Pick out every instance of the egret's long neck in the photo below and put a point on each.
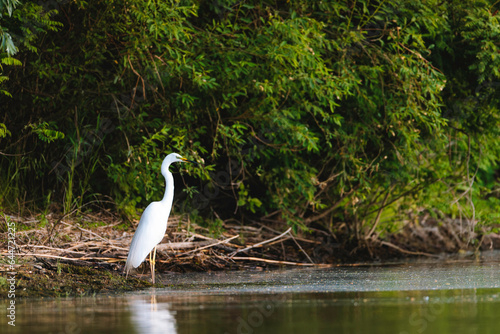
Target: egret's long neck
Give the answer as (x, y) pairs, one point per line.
(169, 188)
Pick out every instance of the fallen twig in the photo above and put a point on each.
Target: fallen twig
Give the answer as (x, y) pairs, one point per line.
(251, 258)
(303, 251)
(183, 245)
(51, 248)
(407, 251)
(259, 244)
(85, 230)
(93, 244)
(49, 256)
(83, 258)
(208, 246)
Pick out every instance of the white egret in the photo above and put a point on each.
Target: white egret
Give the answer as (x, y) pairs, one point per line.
(153, 223)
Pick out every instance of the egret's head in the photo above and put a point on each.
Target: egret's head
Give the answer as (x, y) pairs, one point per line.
(172, 157)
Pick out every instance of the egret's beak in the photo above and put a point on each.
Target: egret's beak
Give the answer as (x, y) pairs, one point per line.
(191, 161)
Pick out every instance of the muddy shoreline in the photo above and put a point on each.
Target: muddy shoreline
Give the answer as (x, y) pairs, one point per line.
(60, 257)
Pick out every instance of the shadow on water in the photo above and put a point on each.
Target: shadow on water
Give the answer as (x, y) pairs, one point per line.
(411, 298)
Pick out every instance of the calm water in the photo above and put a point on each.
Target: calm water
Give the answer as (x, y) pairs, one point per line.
(460, 297)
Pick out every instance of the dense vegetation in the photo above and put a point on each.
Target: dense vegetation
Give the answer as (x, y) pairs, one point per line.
(358, 116)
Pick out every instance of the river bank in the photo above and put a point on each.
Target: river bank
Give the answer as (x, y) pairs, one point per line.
(460, 296)
(75, 256)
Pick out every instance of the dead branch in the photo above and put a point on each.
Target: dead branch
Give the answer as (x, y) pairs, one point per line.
(182, 245)
(260, 243)
(252, 258)
(385, 243)
(211, 245)
(303, 251)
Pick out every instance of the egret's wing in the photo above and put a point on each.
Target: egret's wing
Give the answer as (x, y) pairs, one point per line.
(149, 233)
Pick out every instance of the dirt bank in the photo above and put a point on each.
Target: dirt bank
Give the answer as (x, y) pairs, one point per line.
(57, 255)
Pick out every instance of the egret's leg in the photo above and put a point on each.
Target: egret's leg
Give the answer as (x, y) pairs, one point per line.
(152, 263)
(151, 267)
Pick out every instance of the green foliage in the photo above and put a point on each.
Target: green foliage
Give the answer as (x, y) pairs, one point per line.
(3, 131)
(309, 111)
(10, 61)
(9, 6)
(247, 202)
(25, 23)
(6, 42)
(45, 133)
(33, 20)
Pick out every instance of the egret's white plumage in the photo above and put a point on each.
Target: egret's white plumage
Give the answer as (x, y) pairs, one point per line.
(153, 223)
